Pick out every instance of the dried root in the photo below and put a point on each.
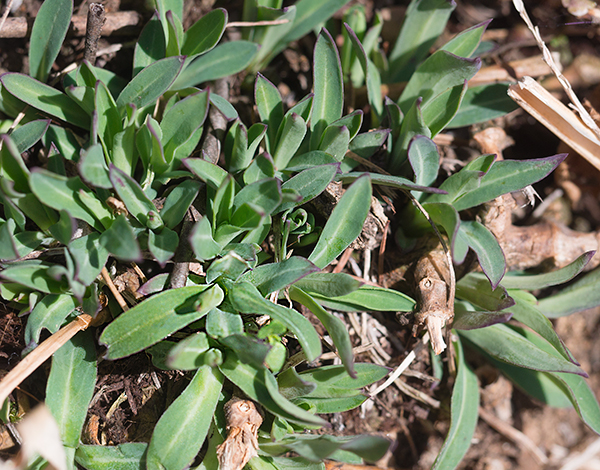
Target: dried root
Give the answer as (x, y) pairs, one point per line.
(436, 301)
(243, 421)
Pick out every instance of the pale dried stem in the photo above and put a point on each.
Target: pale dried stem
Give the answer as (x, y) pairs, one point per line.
(250, 24)
(40, 354)
(514, 435)
(117, 295)
(585, 116)
(5, 15)
(243, 420)
(120, 23)
(402, 367)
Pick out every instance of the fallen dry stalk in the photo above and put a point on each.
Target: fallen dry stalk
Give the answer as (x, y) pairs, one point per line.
(557, 117)
(243, 420)
(121, 23)
(39, 355)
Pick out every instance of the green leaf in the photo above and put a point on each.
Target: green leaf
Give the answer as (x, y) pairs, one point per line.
(205, 33)
(292, 133)
(45, 98)
(369, 298)
(71, 385)
(134, 198)
(439, 72)
(120, 240)
(90, 257)
(265, 194)
(149, 85)
(334, 381)
(181, 121)
(335, 141)
(335, 327)
(182, 429)
(506, 345)
(309, 184)
(150, 47)
(413, 124)
(26, 136)
(441, 109)
(344, 224)
(309, 15)
(328, 284)
(47, 35)
(93, 168)
(328, 100)
(479, 292)
(465, 43)
(270, 109)
(49, 313)
(483, 103)
(62, 193)
(271, 277)
(507, 176)
(425, 20)
(247, 299)
(226, 59)
(128, 456)
(464, 413)
(486, 247)
(13, 166)
(202, 242)
(108, 118)
(530, 316)
(424, 159)
(469, 319)
(261, 386)
(193, 352)
(163, 244)
(269, 37)
(178, 202)
(157, 317)
(174, 34)
(221, 324)
(213, 175)
(581, 295)
(392, 181)
(514, 280)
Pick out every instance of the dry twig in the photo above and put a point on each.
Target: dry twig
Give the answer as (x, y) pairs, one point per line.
(243, 421)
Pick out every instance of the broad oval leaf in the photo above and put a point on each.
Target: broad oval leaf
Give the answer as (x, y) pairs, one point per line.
(128, 456)
(149, 85)
(369, 298)
(182, 429)
(49, 313)
(159, 316)
(71, 385)
(205, 33)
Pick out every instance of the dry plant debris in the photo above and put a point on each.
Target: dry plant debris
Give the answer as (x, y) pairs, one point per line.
(243, 420)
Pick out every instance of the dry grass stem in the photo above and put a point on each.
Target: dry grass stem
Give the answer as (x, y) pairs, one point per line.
(40, 354)
(557, 117)
(118, 297)
(577, 461)
(514, 435)
(408, 360)
(416, 394)
(583, 113)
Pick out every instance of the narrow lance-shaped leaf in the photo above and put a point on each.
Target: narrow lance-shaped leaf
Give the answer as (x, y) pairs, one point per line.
(71, 385)
(205, 33)
(47, 35)
(328, 87)
(344, 224)
(464, 413)
(270, 108)
(45, 98)
(335, 327)
(128, 456)
(486, 247)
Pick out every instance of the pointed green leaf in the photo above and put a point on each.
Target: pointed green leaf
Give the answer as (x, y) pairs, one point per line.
(128, 456)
